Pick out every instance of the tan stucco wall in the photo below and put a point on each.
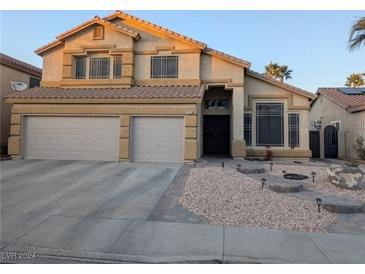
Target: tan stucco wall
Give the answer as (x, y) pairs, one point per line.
(6, 75)
(257, 90)
(327, 110)
(213, 68)
(125, 112)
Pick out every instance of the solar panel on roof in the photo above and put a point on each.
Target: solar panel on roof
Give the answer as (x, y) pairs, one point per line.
(353, 91)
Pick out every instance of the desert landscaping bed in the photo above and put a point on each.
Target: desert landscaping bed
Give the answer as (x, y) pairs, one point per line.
(321, 183)
(225, 196)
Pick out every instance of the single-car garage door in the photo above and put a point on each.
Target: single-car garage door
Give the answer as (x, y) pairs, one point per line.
(71, 138)
(158, 139)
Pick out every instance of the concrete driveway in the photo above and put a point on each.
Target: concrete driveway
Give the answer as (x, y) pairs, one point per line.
(66, 204)
(71, 211)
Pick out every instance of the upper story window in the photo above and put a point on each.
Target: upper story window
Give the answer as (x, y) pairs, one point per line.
(99, 68)
(80, 67)
(98, 33)
(164, 67)
(117, 67)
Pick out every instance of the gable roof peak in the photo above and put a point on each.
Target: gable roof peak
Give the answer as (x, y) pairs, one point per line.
(95, 20)
(203, 46)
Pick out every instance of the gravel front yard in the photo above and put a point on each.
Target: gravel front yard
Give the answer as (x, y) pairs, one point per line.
(225, 196)
(321, 184)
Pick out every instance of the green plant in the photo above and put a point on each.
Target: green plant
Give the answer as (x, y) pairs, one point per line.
(359, 147)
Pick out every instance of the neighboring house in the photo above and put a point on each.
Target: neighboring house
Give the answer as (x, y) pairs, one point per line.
(13, 70)
(121, 88)
(341, 112)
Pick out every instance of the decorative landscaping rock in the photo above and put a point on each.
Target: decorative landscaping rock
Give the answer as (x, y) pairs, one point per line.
(251, 170)
(346, 177)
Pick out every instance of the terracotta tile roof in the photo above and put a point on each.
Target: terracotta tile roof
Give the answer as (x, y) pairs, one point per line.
(352, 103)
(281, 84)
(95, 20)
(20, 65)
(179, 36)
(127, 16)
(136, 92)
(228, 56)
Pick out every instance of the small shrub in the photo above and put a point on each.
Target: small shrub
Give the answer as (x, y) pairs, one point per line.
(359, 147)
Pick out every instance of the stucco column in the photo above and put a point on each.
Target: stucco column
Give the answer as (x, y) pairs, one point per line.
(238, 148)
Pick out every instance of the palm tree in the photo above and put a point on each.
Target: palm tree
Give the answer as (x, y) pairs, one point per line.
(357, 34)
(284, 73)
(354, 80)
(272, 70)
(277, 72)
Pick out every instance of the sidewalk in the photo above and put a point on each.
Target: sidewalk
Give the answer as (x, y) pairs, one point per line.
(162, 242)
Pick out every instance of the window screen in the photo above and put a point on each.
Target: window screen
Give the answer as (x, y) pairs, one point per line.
(270, 124)
(99, 68)
(248, 128)
(293, 127)
(117, 67)
(164, 67)
(80, 67)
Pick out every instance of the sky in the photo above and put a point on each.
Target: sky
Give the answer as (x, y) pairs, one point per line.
(312, 43)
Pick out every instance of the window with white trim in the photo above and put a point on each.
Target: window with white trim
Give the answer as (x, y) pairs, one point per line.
(164, 66)
(270, 124)
(247, 128)
(293, 129)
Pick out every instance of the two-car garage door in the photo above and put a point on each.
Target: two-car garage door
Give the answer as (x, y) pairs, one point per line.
(153, 139)
(71, 138)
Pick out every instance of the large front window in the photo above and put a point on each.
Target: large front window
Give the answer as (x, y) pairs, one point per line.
(164, 67)
(270, 124)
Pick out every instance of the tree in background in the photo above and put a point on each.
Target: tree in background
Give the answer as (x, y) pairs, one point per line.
(277, 72)
(357, 34)
(354, 80)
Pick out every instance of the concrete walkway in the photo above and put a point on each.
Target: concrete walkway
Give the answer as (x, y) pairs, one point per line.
(161, 242)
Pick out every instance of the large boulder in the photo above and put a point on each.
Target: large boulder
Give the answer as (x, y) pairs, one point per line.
(348, 177)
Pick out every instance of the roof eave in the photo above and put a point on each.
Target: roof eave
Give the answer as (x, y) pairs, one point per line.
(101, 101)
(282, 85)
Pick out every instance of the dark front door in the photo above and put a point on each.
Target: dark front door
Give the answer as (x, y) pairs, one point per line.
(330, 142)
(216, 134)
(314, 143)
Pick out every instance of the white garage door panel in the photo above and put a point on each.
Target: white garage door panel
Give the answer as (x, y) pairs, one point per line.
(158, 139)
(71, 138)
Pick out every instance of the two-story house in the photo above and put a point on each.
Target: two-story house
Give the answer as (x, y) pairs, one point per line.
(121, 88)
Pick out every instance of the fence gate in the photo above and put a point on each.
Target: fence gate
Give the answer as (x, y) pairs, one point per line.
(330, 142)
(314, 143)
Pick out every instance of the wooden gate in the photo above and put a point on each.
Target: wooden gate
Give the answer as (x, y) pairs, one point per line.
(314, 143)
(330, 142)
